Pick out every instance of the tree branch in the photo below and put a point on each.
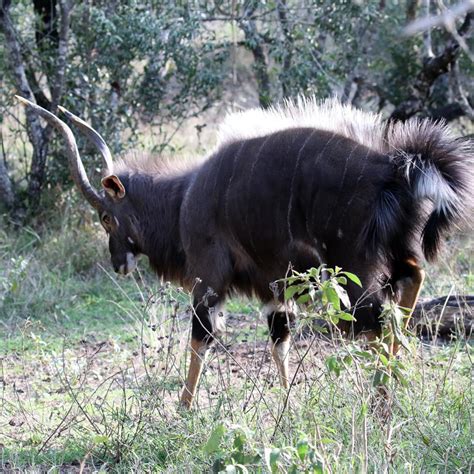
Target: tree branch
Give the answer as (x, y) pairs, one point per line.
(461, 96)
(447, 17)
(447, 113)
(432, 68)
(444, 316)
(411, 10)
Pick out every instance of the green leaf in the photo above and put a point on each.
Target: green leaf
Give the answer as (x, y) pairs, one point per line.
(314, 273)
(327, 440)
(342, 280)
(380, 378)
(354, 278)
(292, 290)
(426, 440)
(332, 297)
(395, 317)
(239, 441)
(343, 296)
(302, 448)
(362, 413)
(317, 468)
(364, 354)
(334, 318)
(214, 441)
(303, 299)
(385, 347)
(100, 439)
(400, 377)
(346, 316)
(333, 365)
(348, 359)
(272, 455)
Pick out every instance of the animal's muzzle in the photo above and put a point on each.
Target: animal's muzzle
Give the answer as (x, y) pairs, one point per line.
(127, 267)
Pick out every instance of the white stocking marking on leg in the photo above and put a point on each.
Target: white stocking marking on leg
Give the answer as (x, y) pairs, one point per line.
(277, 307)
(280, 353)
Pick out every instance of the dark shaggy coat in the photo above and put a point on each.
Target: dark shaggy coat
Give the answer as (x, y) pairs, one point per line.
(302, 185)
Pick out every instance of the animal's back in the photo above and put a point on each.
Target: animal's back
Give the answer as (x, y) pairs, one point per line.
(292, 185)
(298, 196)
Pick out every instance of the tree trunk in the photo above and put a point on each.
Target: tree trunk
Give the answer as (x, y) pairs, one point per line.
(6, 190)
(288, 48)
(411, 10)
(38, 136)
(37, 172)
(255, 44)
(34, 129)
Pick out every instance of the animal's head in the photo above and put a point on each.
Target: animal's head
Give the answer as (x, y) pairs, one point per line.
(117, 217)
(115, 209)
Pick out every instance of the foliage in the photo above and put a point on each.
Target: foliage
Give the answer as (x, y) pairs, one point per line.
(160, 63)
(233, 449)
(322, 288)
(126, 64)
(322, 291)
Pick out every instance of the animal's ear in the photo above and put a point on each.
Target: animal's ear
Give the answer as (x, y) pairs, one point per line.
(113, 186)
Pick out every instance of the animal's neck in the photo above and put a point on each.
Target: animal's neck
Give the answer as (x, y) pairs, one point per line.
(159, 224)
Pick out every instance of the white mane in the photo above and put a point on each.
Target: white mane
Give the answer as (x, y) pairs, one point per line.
(408, 139)
(330, 115)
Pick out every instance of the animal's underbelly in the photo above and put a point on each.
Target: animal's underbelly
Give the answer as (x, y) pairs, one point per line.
(256, 273)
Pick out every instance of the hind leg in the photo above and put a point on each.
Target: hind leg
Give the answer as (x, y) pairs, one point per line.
(409, 284)
(278, 323)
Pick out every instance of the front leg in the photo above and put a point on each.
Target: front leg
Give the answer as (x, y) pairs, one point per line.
(279, 319)
(204, 327)
(198, 357)
(209, 260)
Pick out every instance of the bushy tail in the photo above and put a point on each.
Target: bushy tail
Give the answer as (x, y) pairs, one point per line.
(430, 164)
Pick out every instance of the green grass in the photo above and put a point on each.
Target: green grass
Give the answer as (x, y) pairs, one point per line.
(91, 367)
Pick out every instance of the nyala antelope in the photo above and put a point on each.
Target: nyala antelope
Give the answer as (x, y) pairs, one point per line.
(302, 184)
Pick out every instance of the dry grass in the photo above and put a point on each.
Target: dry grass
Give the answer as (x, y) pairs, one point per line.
(91, 367)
